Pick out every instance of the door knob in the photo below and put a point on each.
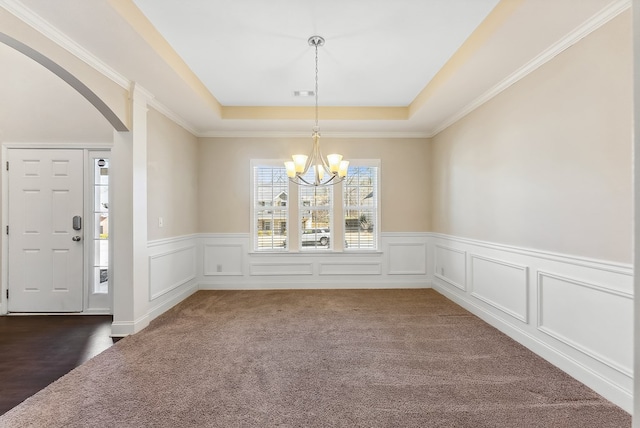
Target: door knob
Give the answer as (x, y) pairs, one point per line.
(75, 238)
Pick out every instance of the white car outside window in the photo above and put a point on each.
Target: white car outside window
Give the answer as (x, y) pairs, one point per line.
(311, 236)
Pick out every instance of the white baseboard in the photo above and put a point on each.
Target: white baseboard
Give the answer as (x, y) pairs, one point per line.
(176, 298)
(311, 285)
(125, 328)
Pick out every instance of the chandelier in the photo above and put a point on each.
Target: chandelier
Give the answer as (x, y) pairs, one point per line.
(325, 172)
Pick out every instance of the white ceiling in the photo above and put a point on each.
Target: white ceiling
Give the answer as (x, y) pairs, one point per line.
(255, 53)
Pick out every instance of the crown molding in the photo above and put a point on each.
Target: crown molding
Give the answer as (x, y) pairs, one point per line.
(136, 91)
(598, 20)
(38, 23)
(164, 110)
(307, 134)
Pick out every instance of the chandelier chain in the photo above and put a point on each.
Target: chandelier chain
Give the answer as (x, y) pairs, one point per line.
(316, 91)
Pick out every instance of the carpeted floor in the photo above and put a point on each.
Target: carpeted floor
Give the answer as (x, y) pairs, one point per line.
(318, 358)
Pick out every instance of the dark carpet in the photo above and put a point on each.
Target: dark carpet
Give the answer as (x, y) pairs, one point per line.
(317, 358)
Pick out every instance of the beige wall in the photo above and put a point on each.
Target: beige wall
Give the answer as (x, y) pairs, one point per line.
(224, 176)
(172, 175)
(547, 163)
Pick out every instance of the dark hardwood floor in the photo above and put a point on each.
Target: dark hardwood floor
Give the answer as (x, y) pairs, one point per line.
(37, 350)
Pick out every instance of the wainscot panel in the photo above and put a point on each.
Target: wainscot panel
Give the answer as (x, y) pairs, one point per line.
(173, 272)
(284, 269)
(502, 285)
(224, 259)
(451, 266)
(409, 258)
(579, 315)
(170, 270)
(601, 318)
(350, 268)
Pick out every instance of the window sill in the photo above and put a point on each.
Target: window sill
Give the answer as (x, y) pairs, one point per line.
(315, 253)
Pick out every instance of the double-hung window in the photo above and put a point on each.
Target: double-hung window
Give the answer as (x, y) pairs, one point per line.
(270, 206)
(361, 211)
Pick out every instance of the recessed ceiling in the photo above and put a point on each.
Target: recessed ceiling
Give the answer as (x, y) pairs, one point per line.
(255, 52)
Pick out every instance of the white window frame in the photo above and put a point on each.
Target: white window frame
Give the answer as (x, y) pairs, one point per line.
(364, 163)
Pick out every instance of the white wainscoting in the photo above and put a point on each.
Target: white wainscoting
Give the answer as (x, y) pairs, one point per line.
(229, 263)
(575, 312)
(173, 272)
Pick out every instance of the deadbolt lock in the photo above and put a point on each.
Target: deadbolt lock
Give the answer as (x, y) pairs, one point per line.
(75, 238)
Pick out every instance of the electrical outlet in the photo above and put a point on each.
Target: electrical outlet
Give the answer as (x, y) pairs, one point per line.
(219, 268)
(160, 222)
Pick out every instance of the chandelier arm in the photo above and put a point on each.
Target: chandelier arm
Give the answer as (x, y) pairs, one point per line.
(325, 165)
(298, 180)
(303, 182)
(317, 153)
(307, 164)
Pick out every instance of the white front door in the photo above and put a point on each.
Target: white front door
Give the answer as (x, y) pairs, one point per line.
(45, 251)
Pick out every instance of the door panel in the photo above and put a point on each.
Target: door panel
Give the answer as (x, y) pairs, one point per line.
(45, 263)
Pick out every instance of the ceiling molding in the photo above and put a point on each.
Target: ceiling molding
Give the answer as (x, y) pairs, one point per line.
(308, 113)
(138, 92)
(106, 145)
(29, 17)
(591, 25)
(307, 134)
(164, 110)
